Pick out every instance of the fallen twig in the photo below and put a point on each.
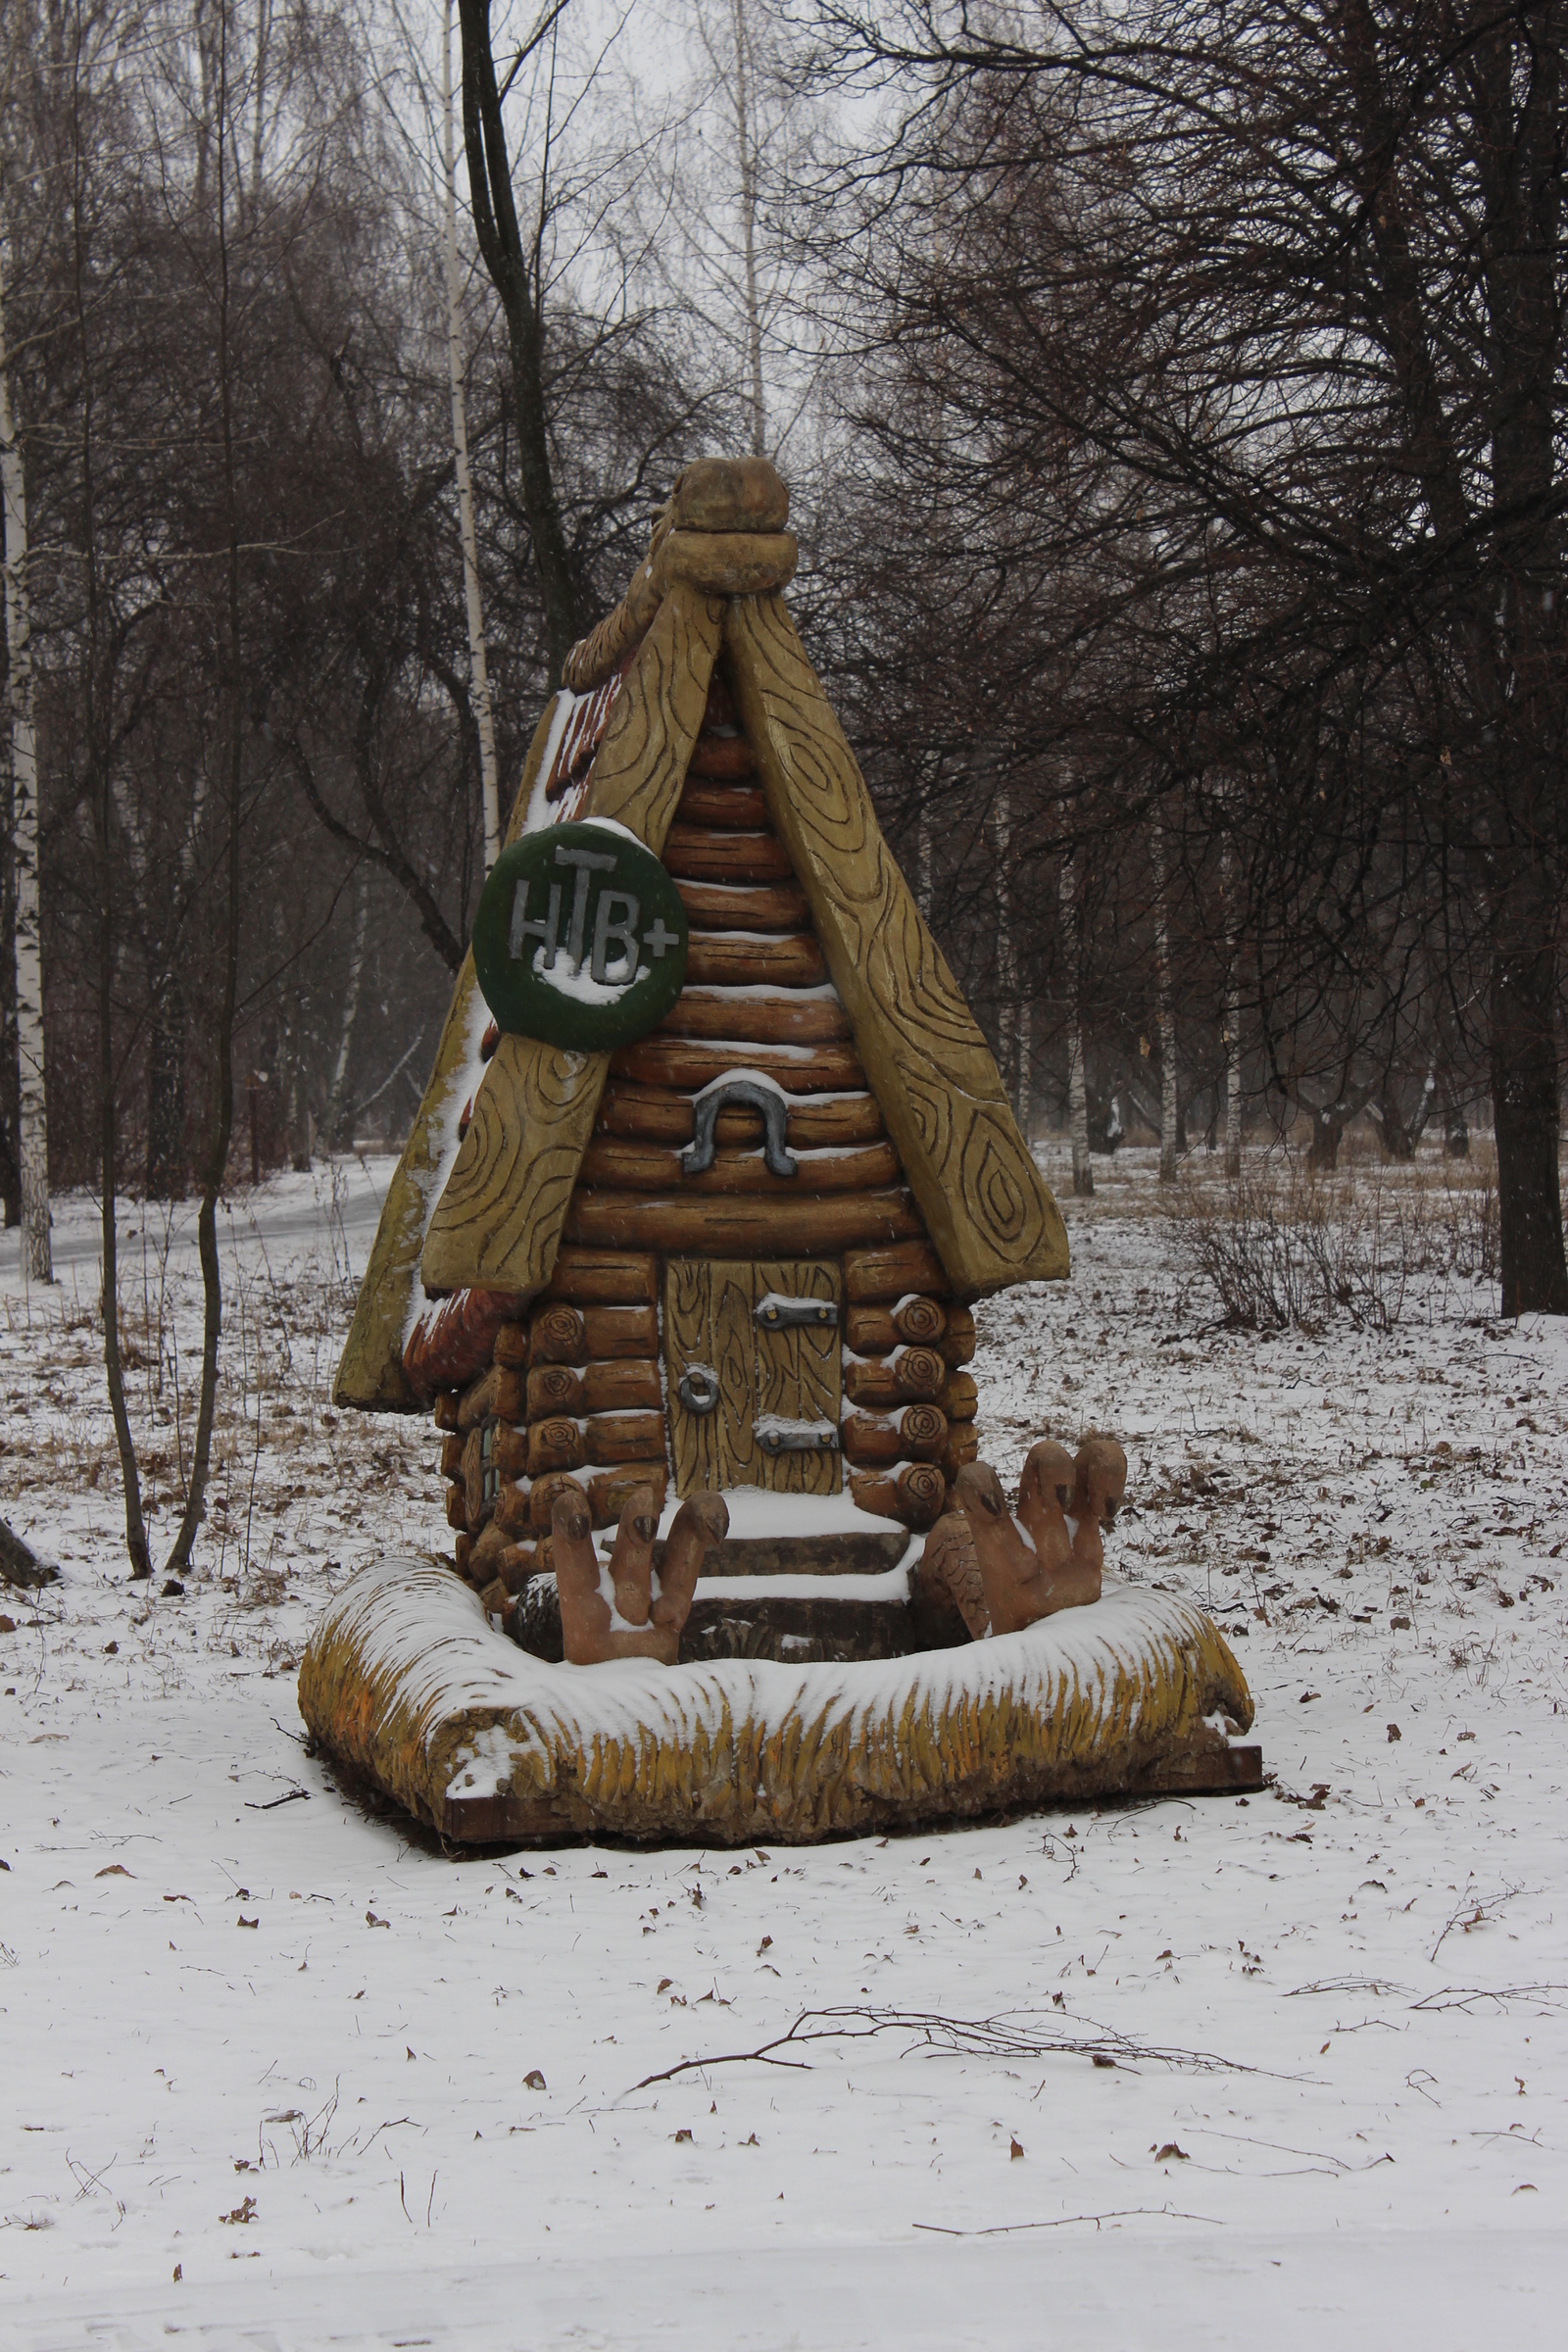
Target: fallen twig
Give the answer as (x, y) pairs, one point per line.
(1070, 2221)
(1474, 1912)
(1460, 1996)
(986, 2037)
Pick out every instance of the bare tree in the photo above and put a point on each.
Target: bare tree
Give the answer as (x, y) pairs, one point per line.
(479, 686)
(25, 945)
(1342, 441)
(518, 273)
(1164, 1003)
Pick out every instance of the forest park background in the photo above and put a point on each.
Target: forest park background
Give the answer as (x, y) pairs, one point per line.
(1171, 401)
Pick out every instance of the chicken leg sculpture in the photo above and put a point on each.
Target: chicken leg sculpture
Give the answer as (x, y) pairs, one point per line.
(999, 1573)
(625, 1609)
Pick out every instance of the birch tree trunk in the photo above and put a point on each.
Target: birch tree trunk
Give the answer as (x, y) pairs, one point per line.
(479, 669)
(1233, 1014)
(746, 141)
(32, 1126)
(333, 1115)
(1165, 1006)
(1083, 1174)
(1007, 959)
(263, 28)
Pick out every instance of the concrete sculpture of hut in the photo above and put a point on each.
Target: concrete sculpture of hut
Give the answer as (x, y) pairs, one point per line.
(712, 1167)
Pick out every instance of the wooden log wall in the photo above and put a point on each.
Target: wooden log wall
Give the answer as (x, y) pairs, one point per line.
(574, 1391)
(572, 1398)
(908, 1408)
(758, 999)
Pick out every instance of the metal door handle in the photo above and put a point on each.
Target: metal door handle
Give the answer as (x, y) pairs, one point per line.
(698, 1387)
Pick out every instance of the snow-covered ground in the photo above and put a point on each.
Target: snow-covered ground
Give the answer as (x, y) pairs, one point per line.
(411, 2105)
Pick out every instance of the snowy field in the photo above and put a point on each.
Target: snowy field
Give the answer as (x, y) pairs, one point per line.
(1212, 2072)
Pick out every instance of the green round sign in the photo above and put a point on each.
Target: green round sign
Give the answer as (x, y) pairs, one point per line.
(580, 937)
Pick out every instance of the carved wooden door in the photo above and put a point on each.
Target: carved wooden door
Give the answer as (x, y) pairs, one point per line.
(754, 1371)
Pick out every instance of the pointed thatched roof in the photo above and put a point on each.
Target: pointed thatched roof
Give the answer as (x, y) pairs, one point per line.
(489, 1208)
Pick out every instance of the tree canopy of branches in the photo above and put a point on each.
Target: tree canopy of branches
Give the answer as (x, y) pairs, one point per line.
(1236, 344)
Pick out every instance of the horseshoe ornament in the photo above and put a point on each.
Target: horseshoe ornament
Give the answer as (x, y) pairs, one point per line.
(698, 1153)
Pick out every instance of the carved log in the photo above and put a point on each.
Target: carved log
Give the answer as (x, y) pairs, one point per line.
(718, 962)
(512, 1513)
(962, 1445)
(451, 1456)
(600, 1278)
(474, 1470)
(711, 1225)
(917, 1435)
(921, 1495)
(729, 494)
(871, 1276)
(542, 1497)
(614, 1438)
(983, 1199)
(444, 1409)
(643, 1168)
(609, 1490)
(554, 1389)
(959, 1398)
(730, 563)
(554, 1444)
(457, 1508)
(558, 1335)
(726, 808)
(725, 759)
(684, 1064)
(511, 1454)
(486, 1557)
(614, 1388)
(913, 1493)
(561, 1334)
(454, 1339)
(512, 1345)
(500, 1394)
(878, 1330)
(693, 854)
(461, 1545)
(717, 906)
(615, 1331)
(787, 1020)
(649, 1116)
(957, 1341)
(517, 1566)
(912, 1375)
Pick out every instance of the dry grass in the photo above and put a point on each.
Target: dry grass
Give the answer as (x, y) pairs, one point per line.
(1285, 1248)
(282, 1458)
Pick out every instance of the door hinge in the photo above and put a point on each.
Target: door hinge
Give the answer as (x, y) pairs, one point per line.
(775, 1434)
(776, 1312)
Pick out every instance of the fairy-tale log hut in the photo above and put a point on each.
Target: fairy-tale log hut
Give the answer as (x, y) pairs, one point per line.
(739, 1249)
(706, 1179)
